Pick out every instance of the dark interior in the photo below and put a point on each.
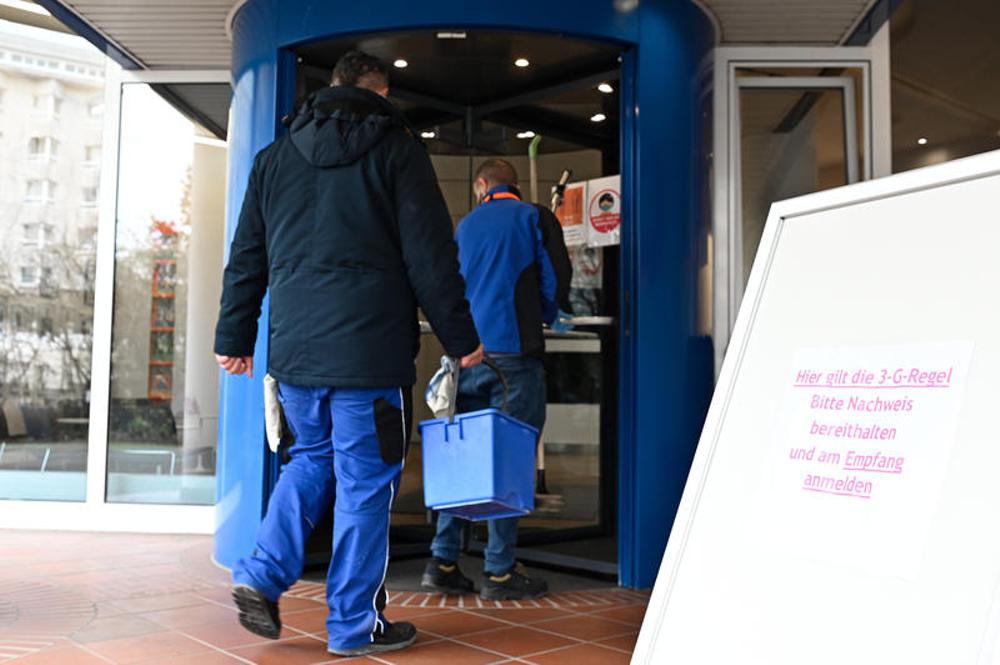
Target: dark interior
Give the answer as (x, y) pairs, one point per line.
(468, 92)
(463, 92)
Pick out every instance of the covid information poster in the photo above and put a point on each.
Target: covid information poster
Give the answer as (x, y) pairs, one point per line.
(570, 215)
(862, 445)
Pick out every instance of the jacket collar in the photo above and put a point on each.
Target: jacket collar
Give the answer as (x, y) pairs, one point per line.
(502, 192)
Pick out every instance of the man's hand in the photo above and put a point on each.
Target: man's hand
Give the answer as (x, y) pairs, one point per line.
(238, 365)
(473, 358)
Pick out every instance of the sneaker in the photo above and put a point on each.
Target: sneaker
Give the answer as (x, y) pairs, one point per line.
(257, 614)
(392, 637)
(512, 585)
(445, 576)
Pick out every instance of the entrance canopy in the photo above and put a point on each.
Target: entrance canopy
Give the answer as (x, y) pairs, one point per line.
(196, 35)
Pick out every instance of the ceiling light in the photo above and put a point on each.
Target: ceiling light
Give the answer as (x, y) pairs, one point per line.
(922, 141)
(606, 88)
(526, 135)
(522, 62)
(400, 64)
(451, 35)
(598, 117)
(428, 135)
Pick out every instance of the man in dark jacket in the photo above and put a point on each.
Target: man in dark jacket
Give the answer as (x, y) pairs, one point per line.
(344, 222)
(517, 271)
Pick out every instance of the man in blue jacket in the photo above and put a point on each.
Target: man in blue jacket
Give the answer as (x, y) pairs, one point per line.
(517, 272)
(344, 222)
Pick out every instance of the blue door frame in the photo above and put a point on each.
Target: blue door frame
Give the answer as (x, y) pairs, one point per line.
(665, 368)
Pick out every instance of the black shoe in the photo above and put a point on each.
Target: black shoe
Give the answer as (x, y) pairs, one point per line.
(393, 637)
(257, 614)
(512, 585)
(444, 576)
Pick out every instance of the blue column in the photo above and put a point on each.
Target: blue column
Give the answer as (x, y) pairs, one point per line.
(663, 372)
(666, 370)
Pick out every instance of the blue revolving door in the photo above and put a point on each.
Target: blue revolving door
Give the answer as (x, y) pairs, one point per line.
(645, 384)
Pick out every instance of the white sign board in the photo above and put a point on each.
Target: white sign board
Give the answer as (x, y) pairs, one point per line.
(843, 505)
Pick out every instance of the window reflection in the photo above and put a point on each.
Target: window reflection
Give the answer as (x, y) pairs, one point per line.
(164, 383)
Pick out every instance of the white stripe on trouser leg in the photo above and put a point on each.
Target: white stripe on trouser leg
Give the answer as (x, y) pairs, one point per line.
(392, 497)
(385, 570)
(402, 413)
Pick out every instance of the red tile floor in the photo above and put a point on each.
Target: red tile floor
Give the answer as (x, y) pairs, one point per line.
(68, 598)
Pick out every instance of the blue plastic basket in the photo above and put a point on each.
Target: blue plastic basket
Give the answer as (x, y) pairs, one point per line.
(480, 466)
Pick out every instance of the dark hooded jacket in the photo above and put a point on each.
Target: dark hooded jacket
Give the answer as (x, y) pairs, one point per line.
(344, 221)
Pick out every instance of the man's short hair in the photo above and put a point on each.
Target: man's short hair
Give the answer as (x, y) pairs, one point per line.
(497, 171)
(360, 70)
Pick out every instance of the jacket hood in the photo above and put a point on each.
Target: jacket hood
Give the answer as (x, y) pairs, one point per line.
(339, 125)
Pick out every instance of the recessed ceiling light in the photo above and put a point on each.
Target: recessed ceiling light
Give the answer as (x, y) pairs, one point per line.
(521, 62)
(526, 135)
(598, 117)
(606, 88)
(400, 64)
(922, 141)
(428, 135)
(451, 35)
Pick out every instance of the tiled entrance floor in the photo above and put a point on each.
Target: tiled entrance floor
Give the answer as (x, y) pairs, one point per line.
(68, 598)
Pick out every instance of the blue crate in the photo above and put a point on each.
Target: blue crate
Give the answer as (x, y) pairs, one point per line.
(479, 467)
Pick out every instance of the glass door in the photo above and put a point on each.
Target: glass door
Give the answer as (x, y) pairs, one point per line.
(168, 264)
(788, 121)
(109, 398)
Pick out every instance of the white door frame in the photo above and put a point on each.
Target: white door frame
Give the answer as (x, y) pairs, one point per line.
(872, 60)
(94, 513)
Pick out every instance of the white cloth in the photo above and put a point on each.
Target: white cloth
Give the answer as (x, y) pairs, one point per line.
(272, 413)
(442, 391)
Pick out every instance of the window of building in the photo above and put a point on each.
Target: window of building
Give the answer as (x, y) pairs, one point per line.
(45, 326)
(40, 191)
(48, 104)
(28, 276)
(90, 196)
(95, 109)
(87, 237)
(92, 154)
(29, 234)
(42, 148)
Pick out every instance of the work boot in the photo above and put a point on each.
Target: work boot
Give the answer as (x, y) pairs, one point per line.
(392, 637)
(512, 585)
(257, 614)
(445, 576)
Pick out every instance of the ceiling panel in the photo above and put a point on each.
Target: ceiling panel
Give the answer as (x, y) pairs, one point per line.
(181, 34)
(192, 33)
(825, 22)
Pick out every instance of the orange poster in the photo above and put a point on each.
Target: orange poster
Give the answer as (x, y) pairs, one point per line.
(570, 214)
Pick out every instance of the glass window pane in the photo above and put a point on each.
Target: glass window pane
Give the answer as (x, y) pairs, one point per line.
(168, 265)
(46, 276)
(791, 143)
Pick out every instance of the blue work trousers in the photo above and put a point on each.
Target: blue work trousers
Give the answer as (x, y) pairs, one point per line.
(349, 444)
(479, 388)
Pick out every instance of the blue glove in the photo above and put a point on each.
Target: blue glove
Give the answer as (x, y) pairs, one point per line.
(562, 322)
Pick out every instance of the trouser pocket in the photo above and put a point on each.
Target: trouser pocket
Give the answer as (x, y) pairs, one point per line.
(392, 426)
